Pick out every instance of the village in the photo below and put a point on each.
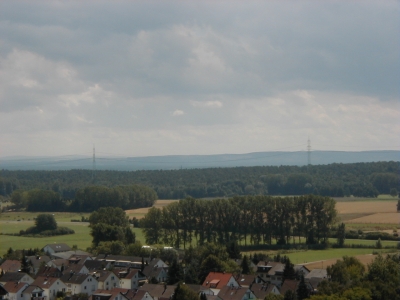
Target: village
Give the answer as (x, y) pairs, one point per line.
(71, 274)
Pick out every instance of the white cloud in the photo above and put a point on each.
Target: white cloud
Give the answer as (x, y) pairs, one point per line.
(207, 104)
(178, 112)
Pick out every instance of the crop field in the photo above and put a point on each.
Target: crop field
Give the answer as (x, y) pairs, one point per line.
(369, 212)
(140, 212)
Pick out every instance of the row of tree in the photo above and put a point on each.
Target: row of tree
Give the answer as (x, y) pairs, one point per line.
(252, 219)
(334, 180)
(86, 200)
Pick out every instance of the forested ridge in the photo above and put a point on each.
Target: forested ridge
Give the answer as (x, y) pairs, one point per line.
(334, 180)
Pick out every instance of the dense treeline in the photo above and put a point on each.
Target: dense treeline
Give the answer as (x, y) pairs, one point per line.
(87, 199)
(334, 180)
(254, 219)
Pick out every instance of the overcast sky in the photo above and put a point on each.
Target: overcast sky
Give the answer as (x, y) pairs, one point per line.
(144, 78)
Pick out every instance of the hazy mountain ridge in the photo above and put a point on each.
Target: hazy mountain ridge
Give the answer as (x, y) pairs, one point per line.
(299, 158)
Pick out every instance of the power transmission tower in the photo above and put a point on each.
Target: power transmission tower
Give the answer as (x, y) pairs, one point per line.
(94, 165)
(308, 153)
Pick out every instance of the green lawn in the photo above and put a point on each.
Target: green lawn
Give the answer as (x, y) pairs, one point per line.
(317, 255)
(81, 238)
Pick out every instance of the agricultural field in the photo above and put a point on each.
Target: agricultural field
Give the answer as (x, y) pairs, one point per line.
(357, 213)
(369, 215)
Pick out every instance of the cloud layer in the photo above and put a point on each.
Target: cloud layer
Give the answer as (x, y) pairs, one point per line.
(149, 78)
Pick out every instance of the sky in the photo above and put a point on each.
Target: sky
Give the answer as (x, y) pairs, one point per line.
(146, 78)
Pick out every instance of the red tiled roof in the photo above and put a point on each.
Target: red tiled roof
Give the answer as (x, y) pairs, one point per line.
(218, 279)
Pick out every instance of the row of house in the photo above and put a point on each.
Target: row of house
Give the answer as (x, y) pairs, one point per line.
(114, 277)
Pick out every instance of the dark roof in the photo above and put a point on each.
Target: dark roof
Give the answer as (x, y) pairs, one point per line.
(160, 291)
(12, 276)
(260, 290)
(58, 247)
(232, 293)
(149, 271)
(37, 260)
(49, 272)
(94, 265)
(74, 278)
(245, 280)
(289, 284)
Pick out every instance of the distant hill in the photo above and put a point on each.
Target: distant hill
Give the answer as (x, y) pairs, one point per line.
(172, 162)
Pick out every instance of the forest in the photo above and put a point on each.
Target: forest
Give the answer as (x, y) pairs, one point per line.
(253, 219)
(86, 199)
(333, 180)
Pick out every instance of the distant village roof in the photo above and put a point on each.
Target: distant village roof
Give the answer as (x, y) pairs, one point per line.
(159, 291)
(317, 273)
(13, 276)
(49, 272)
(260, 290)
(74, 278)
(232, 293)
(289, 284)
(14, 287)
(67, 254)
(11, 266)
(58, 247)
(45, 282)
(217, 280)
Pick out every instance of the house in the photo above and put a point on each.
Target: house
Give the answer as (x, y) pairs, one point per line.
(270, 271)
(235, 293)
(15, 289)
(107, 280)
(261, 290)
(314, 278)
(51, 286)
(68, 254)
(159, 291)
(10, 265)
(289, 284)
(301, 270)
(94, 265)
(78, 259)
(37, 261)
(76, 268)
(160, 274)
(79, 283)
(46, 271)
(141, 295)
(114, 294)
(215, 281)
(59, 263)
(33, 292)
(121, 261)
(16, 277)
(245, 280)
(56, 248)
(129, 279)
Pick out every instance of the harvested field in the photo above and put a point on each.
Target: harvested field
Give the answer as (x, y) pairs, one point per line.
(378, 212)
(140, 212)
(392, 218)
(366, 207)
